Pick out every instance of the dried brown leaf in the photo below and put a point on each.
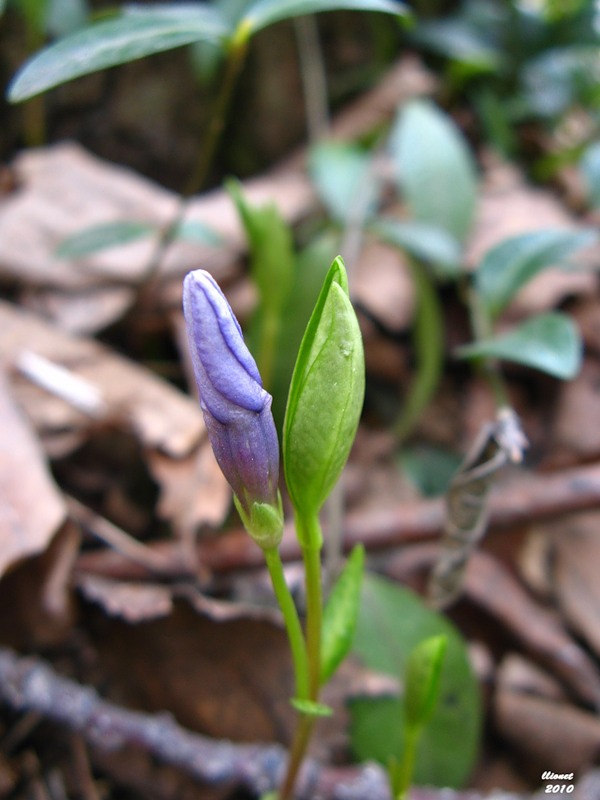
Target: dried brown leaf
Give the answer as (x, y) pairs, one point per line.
(133, 602)
(547, 734)
(32, 508)
(576, 543)
(576, 430)
(493, 588)
(228, 679)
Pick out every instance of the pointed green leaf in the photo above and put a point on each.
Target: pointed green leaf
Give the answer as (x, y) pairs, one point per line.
(325, 398)
(266, 12)
(422, 680)
(115, 41)
(425, 242)
(341, 613)
(392, 621)
(272, 269)
(102, 237)
(507, 267)
(548, 342)
(434, 168)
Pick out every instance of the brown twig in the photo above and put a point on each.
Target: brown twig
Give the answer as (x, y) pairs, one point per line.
(28, 684)
(31, 685)
(530, 497)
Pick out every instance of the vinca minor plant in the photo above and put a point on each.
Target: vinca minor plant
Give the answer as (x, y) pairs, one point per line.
(323, 409)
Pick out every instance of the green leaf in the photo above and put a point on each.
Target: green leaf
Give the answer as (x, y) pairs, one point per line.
(434, 168)
(325, 398)
(461, 41)
(102, 237)
(341, 613)
(272, 268)
(310, 708)
(507, 267)
(590, 169)
(548, 342)
(429, 468)
(341, 174)
(115, 41)
(66, 16)
(422, 680)
(35, 13)
(392, 622)
(425, 242)
(193, 230)
(266, 12)
(310, 268)
(428, 336)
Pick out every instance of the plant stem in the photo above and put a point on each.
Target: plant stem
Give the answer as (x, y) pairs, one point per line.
(482, 329)
(309, 534)
(314, 614)
(238, 47)
(292, 622)
(402, 773)
(298, 749)
(428, 338)
(236, 55)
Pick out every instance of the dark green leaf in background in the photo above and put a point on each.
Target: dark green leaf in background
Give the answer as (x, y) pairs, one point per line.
(590, 168)
(392, 622)
(192, 230)
(266, 12)
(508, 266)
(342, 176)
(434, 168)
(115, 41)
(102, 237)
(548, 342)
(272, 268)
(425, 242)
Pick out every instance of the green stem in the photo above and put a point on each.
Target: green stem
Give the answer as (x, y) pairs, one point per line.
(238, 48)
(297, 752)
(482, 329)
(403, 772)
(428, 338)
(310, 537)
(236, 55)
(314, 616)
(292, 622)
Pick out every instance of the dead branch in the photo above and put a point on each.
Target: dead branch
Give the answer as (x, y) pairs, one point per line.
(530, 497)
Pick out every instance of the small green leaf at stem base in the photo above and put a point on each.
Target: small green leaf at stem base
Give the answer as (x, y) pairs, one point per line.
(311, 709)
(264, 523)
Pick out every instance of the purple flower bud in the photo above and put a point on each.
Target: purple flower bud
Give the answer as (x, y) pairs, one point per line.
(236, 408)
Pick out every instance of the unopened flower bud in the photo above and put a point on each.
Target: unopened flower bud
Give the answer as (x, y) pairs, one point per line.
(236, 408)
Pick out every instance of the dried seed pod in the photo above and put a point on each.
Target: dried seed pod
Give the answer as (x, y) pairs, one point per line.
(497, 444)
